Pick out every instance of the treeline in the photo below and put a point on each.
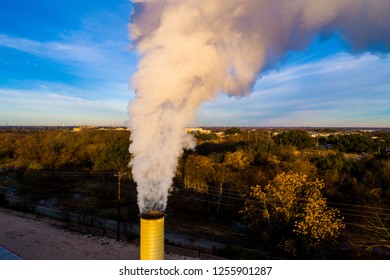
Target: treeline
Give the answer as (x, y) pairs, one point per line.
(89, 150)
(354, 175)
(220, 176)
(72, 171)
(351, 169)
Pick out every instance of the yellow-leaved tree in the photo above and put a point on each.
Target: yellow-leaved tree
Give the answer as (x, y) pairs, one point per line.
(197, 173)
(293, 214)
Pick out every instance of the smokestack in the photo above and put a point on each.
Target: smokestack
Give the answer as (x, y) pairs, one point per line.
(152, 236)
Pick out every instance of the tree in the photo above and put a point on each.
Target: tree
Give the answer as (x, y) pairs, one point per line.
(7, 145)
(373, 233)
(356, 143)
(197, 172)
(115, 156)
(297, 138)
(221, 176)
(203, 137)
(225, 172)
(35, 175)
(232, 131)
(28, 149)
(237, 160)
(35, 187)
(333, 168)
(293, 213)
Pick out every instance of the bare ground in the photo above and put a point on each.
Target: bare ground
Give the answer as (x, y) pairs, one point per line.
(37, 240)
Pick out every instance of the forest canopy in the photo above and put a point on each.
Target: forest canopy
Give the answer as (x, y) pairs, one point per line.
(223, 175)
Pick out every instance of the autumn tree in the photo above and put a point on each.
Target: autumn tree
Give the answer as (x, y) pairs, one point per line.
(197, 173)
(7, 146)
(293, 214)
(237, 160)
(28, 149)
(225, 172)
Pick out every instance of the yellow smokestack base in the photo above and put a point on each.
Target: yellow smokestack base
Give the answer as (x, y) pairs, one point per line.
(152, 236)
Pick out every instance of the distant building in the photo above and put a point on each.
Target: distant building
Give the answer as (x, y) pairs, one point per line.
(100, 128)
(197, 129)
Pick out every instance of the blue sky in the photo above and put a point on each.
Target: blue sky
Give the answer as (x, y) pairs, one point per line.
(70, 62)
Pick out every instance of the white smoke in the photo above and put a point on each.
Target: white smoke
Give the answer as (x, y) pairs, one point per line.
(191, 50)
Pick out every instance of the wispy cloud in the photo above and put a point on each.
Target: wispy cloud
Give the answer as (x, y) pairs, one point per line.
(342, 90)
(61, 51)
(103, 60)
(24, 107)
(77, 71)
(102, 68)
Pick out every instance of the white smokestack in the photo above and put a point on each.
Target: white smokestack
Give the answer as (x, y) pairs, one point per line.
(191, 50)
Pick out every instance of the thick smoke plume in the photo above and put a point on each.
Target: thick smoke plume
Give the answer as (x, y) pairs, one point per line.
(191, 50)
